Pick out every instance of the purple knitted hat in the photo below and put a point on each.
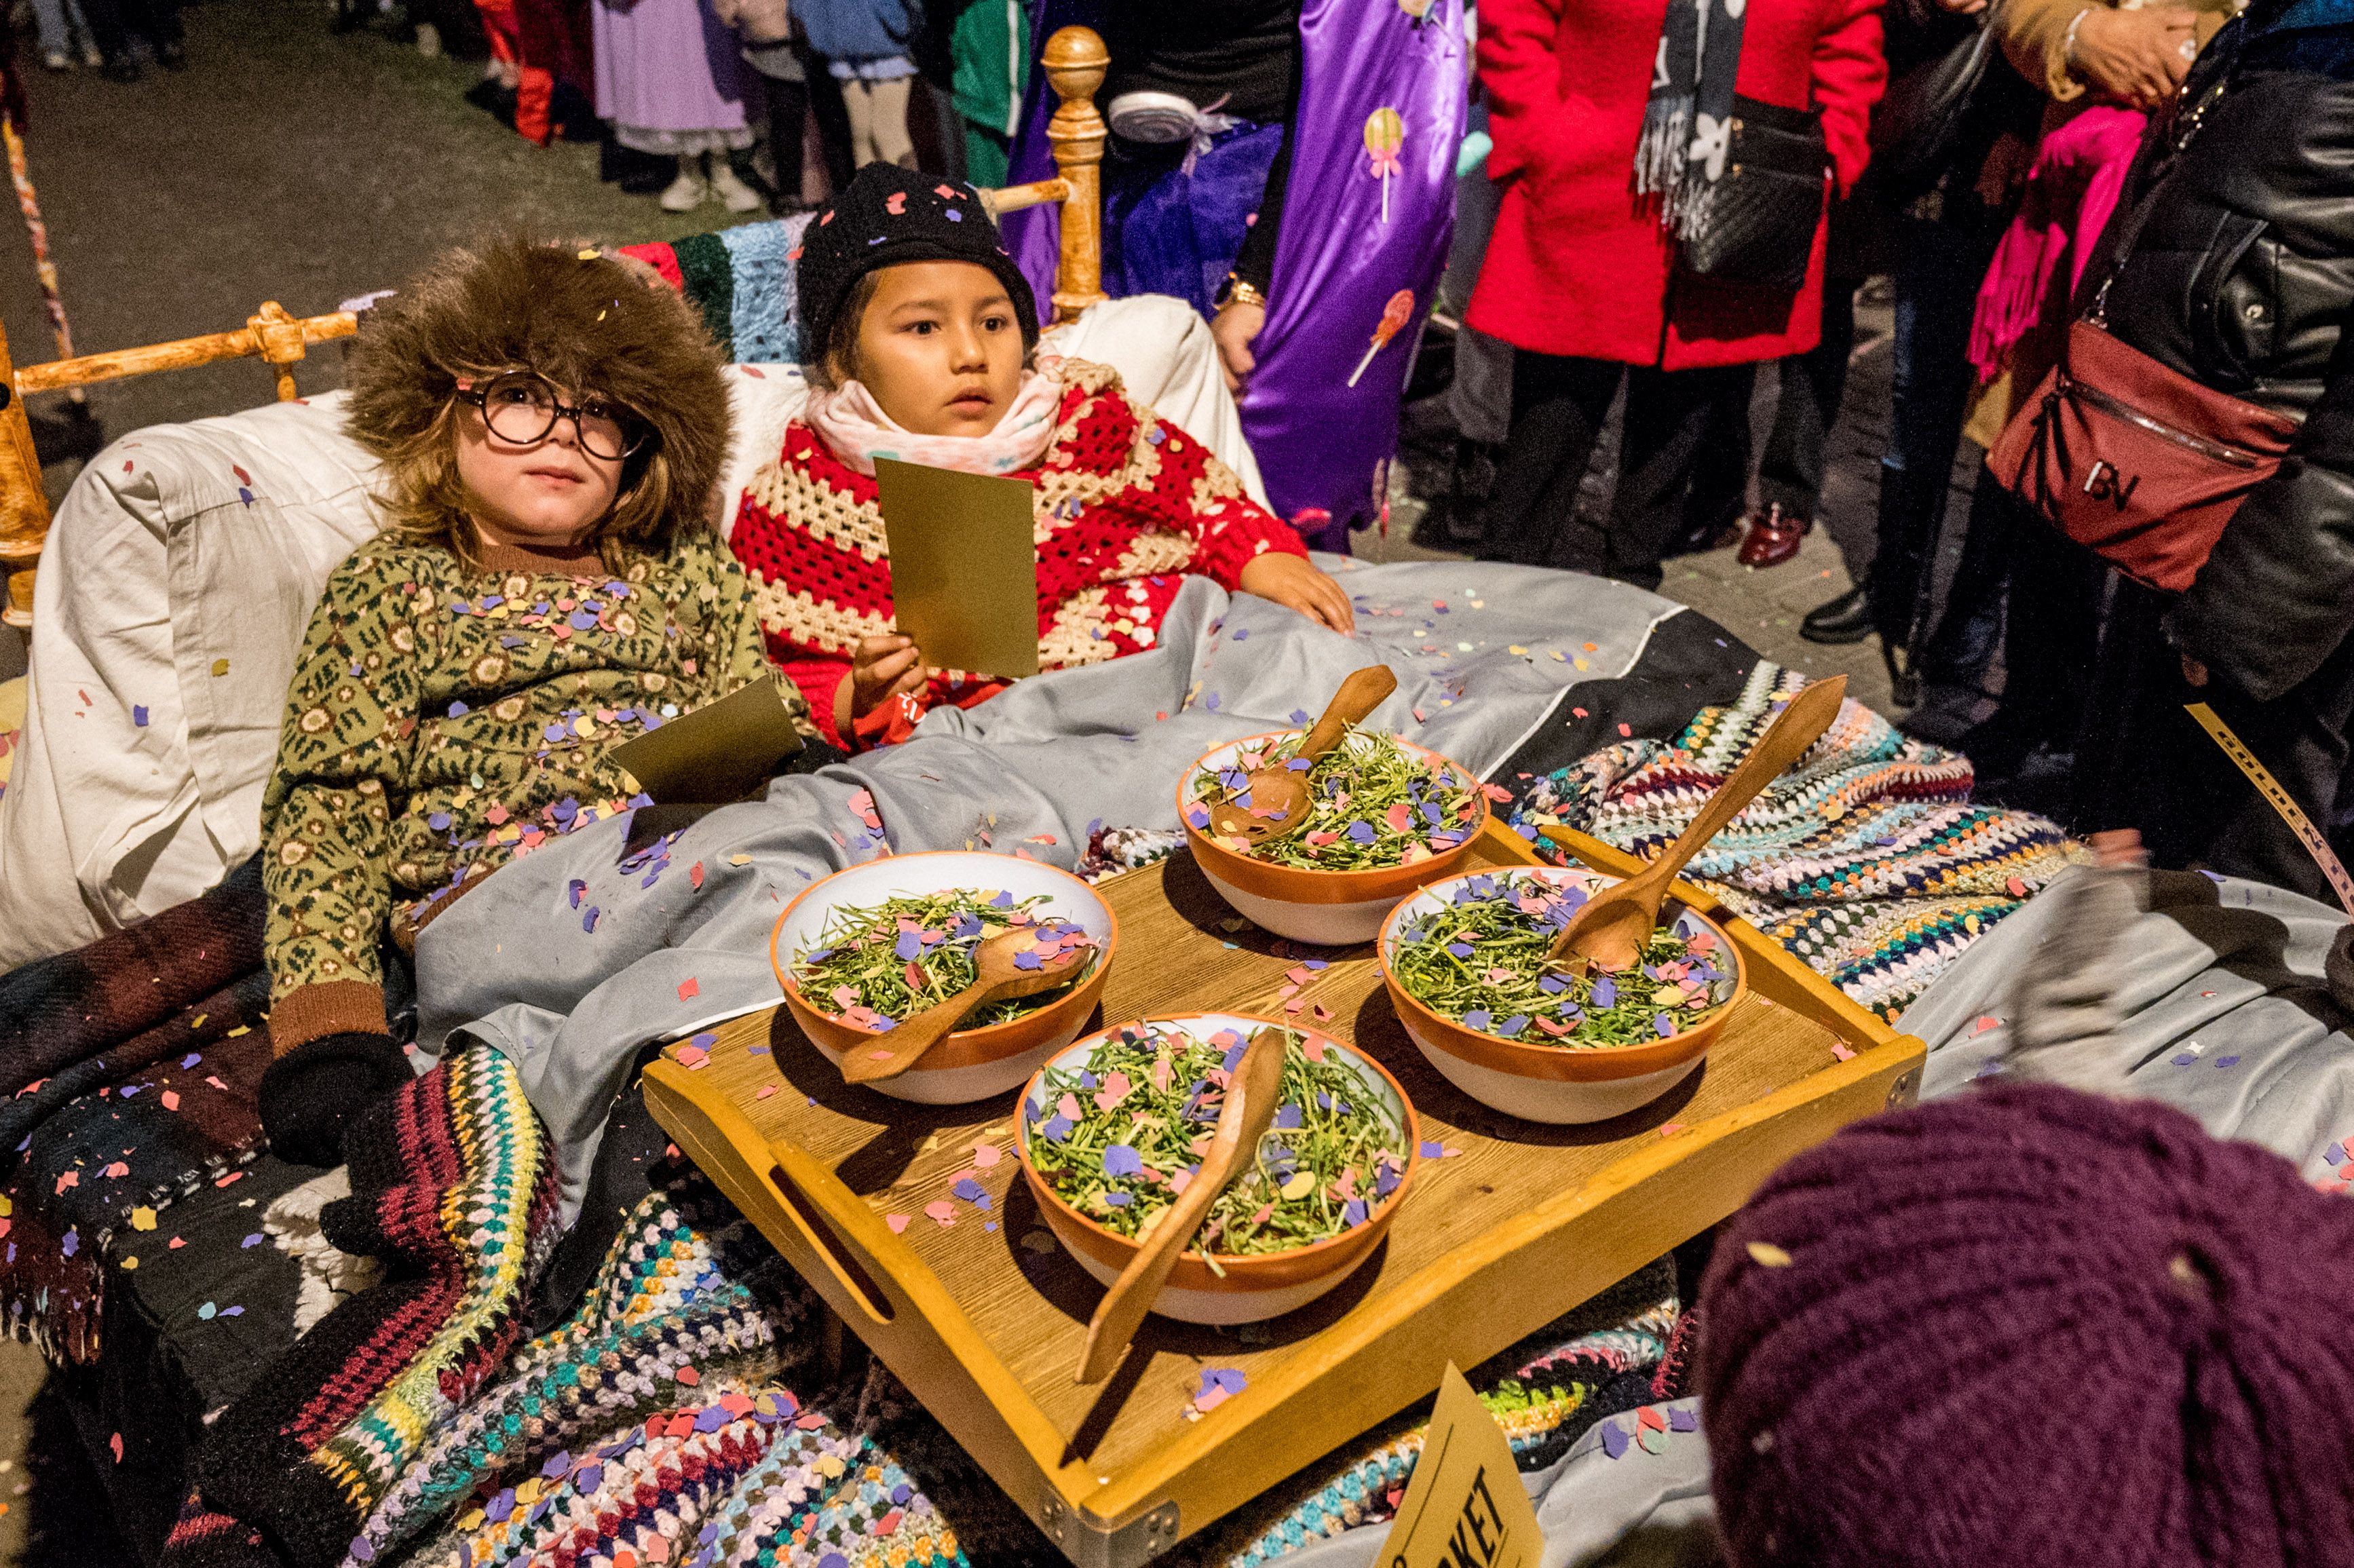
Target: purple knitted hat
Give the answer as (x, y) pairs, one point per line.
(2031, 1326)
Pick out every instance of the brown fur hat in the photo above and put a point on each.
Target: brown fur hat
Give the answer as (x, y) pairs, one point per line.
(586, 323)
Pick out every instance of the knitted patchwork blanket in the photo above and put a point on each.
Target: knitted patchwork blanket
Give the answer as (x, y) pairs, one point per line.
(1865, 859)
(741, 280)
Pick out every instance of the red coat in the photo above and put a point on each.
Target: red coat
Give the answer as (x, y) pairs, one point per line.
(1575, 266)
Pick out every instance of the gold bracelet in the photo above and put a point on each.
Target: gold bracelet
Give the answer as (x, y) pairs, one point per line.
(1241, 293)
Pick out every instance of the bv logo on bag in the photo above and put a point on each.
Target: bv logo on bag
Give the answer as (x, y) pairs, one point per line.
(2102, 485)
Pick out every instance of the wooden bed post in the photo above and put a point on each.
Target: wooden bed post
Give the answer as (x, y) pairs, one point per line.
(24, 507)
(1076, 61)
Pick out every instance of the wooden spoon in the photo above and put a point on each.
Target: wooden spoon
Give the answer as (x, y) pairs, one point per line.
(1251, 1091)
(996, 978)
(1610, 930)
(1281, 792)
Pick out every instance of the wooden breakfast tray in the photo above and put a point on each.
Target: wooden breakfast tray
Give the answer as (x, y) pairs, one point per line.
(983, 1318)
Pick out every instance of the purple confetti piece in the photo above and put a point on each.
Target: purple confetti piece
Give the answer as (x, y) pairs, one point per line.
(2227, 1061)
(1354, 1211)
(1122, 1160)
(1684, 1421)
(232, 1311)
(361, 1552)
(1662, 1024)
(1056, 1128)
(2185, 1058)
(1614, 1441)
(1211, 701)
(911, 945)
(139, 716)
(710, 1419)
(971, 1192)
(1024, 960)
(1117, 1199)
(589, 920)
(1513, 1024)
(558, 1466)
(71, 1244)
(256, 1239)
(1287, 1116)
(1361, 831)
(191, 1059)
(1606, 992)
(1476, 1019)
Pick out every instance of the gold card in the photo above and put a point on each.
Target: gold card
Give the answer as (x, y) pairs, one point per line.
(1465, 1506)
(964, 569)
(719, 752)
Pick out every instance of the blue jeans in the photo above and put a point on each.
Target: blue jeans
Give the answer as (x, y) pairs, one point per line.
(1939, 268)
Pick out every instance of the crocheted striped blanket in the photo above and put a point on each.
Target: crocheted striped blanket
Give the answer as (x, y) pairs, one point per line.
(1866, 859)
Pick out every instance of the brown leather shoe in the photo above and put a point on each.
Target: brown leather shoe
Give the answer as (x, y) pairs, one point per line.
(1773, 538)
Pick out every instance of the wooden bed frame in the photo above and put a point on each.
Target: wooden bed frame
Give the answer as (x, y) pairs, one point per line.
(1075, 60)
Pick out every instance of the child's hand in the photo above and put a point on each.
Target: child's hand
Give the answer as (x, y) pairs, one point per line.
(1235, 330)
(1289, 580)
(880, 668)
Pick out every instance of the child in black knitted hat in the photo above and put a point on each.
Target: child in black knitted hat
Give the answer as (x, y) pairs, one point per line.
(921, 335)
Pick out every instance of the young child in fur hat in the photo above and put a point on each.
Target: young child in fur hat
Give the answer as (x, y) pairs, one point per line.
(922, 336)
(549, 585)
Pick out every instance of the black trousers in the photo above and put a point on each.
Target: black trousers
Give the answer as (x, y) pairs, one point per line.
(113, 23)
(1790, 471)
(2143, 762)
(1560, 407)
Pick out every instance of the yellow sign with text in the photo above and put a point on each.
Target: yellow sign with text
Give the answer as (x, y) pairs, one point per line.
(1464, 1507)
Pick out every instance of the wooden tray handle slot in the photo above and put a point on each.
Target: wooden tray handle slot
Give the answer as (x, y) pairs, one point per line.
(778, 1174)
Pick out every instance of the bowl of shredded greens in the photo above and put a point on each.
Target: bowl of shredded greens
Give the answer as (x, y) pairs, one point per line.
(1113, 1126)
(872, 945)
(1385, 817)
(1465, 964)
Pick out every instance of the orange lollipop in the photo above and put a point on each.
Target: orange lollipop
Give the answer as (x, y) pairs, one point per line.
(1395, 315)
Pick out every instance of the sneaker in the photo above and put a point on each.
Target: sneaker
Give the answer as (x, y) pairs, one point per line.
(685, 194)
(730, 188)
(56, 59)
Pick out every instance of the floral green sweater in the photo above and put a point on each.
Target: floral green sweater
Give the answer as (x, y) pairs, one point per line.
(443, 721)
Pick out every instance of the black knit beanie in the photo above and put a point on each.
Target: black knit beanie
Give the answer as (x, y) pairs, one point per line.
(889, 215)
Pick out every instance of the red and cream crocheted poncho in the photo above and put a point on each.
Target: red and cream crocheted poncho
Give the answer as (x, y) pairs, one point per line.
(1127, 505)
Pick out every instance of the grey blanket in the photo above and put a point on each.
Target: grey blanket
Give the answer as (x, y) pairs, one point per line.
(572, 958)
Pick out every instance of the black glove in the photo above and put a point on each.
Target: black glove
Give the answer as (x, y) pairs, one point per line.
(311, 1095)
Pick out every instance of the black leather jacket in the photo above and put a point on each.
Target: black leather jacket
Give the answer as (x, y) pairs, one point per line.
(2242, 277)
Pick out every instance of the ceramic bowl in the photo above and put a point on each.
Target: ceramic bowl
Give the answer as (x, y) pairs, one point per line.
(1547, 1083)
(1329, 909)
(1252, 1287)
(970, 1063)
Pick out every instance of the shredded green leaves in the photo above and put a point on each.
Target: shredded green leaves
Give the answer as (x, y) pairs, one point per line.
(1118, 1139)
(1374, 804)
(1482, 963)
(879, 964)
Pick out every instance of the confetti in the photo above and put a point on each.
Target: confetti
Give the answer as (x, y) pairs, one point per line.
(1766, 1255)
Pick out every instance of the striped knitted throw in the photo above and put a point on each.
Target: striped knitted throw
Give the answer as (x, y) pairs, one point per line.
(1865, 859)
(452, 1188)
(688, 1299)
(1127, 506)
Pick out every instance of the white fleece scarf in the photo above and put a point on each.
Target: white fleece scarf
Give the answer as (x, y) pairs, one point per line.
(854, 425)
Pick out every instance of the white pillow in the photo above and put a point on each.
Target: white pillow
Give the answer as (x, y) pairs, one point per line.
(173, 593)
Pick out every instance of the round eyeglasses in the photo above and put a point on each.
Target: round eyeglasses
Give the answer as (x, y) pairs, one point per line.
(522, 409)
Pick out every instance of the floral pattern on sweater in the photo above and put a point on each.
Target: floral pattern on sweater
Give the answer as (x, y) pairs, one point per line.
(444, 720)
(1128, 504)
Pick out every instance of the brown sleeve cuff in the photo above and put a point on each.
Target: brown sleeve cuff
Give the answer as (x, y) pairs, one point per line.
(325, 1007)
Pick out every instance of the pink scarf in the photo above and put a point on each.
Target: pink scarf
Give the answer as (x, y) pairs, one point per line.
(854, 425)
(2080, 169)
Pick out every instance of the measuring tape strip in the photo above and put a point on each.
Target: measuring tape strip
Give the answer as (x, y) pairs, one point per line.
(2269, 788)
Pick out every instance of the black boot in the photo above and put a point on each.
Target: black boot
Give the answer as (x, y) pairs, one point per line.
(1847, 618)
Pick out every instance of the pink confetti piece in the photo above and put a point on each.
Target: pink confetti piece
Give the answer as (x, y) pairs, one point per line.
(171, 1098)
(899, 1222)
(1115, 1090)
(941, 1211)
(1842, 1051)
(694, 1057)
(986, 1155)
(764, 1091)
(694, 875)
(689, 989)
(1068, 1107)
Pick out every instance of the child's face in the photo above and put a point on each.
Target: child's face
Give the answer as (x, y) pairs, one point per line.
(940, 348)
(549, 492)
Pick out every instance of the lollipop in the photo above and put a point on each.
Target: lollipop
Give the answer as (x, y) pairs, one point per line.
(1384, 138)
(1396, 314)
